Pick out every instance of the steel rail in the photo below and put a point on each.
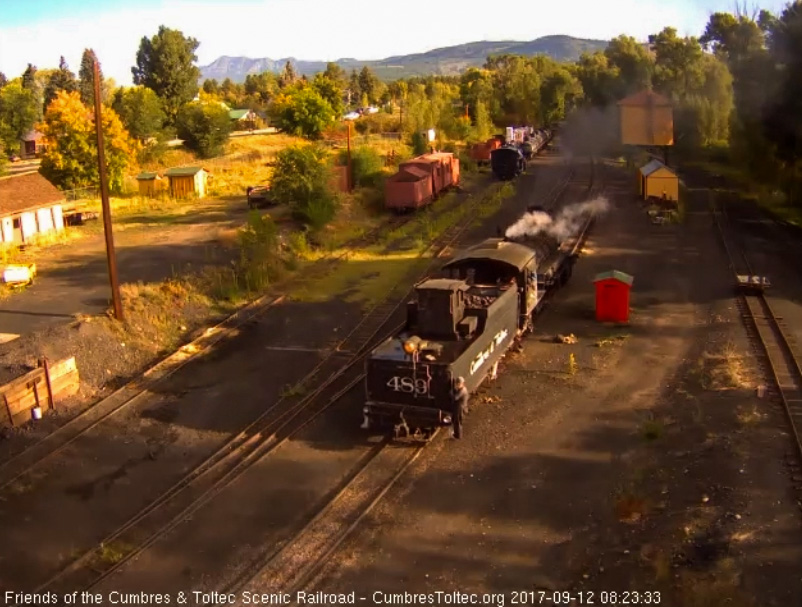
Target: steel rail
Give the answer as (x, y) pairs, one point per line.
(266, 566)
(254, 442)
(773, 340)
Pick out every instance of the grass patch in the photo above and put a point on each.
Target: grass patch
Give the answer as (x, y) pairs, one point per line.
(112, 553)
(290, 391)
(28, 253)
(612, 340)
(749, 415)
(370, 275)
(723, 370)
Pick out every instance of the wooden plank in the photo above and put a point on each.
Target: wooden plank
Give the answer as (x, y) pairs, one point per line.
(21, 382)
(66, 385)
(24, 384)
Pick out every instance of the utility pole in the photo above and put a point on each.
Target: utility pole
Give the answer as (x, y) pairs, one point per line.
(104, 197)
(350, 167)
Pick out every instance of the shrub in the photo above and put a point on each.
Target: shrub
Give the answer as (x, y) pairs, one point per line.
(367, 165)
(466, 163)
(259, 260)
(418, 143)
(377, 123)
(204, 127)
(301, 181)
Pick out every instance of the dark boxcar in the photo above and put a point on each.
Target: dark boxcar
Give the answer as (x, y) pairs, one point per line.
(507, 162)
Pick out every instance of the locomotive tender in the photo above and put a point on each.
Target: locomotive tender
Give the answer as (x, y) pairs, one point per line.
(461, 325)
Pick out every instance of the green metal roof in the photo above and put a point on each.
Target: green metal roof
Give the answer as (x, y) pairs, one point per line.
(147, 176)
(616, 275)
(183, 171)
(238, 114)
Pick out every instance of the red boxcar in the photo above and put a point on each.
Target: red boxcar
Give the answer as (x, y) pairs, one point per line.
(430, 166)
(439, 169)
(410, 188)
(480, 152)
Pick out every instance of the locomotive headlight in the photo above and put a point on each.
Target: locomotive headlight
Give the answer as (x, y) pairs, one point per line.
(365, 409)
(446, 419)
(412, 344)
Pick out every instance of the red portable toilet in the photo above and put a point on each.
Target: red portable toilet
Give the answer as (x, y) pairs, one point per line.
(612, 296)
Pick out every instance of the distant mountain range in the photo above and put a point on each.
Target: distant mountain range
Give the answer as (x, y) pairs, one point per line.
(448, 61)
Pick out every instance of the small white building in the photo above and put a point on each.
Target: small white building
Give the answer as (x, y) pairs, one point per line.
(29, 205)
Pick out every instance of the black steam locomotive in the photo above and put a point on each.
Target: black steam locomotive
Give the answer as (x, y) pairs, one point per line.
(460, 325)
(509, 161)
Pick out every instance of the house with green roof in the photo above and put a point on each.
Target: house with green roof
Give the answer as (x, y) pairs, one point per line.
(187, 181)
(243, 119)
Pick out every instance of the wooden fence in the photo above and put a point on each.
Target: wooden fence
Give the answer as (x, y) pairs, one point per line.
(39, 389)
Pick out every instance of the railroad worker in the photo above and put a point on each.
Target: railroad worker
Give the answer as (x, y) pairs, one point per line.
(460, 404)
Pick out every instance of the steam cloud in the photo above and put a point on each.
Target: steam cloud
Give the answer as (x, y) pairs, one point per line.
(566, 224)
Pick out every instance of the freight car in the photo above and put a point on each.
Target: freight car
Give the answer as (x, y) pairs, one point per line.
(461, 324)
(421, 180)
(480, 152)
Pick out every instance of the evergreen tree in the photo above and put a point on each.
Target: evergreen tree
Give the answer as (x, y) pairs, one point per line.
(288, 75)
(86, 77)
(29, 78)
(166, 65)
(61, 80)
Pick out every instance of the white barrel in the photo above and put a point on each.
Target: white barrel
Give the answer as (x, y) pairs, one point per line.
(36, 412)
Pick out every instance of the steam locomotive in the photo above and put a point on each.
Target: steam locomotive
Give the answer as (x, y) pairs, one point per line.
(461, 324)
(509, 161)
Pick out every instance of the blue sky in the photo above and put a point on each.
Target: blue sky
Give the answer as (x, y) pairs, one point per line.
(39, 31)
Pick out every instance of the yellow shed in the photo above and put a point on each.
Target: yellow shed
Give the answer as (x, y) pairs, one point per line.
(646, 119)
(148, 183)
(656, 179)
(187, 181)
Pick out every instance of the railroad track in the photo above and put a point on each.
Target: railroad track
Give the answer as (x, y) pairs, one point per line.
(134, 392)
(766, 330)
(273, 428)
(291, 567)
(299, 562)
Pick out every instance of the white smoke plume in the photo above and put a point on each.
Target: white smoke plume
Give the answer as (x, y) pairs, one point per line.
(562, 227)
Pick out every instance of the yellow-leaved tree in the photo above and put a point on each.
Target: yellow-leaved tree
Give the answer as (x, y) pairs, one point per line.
(70, 157)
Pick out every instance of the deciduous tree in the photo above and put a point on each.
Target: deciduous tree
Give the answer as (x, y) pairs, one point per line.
(70, 156)
(330, 91)
(18, 113)
(204, 127)
(302, 111)
(141, 112)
